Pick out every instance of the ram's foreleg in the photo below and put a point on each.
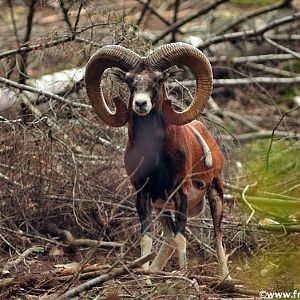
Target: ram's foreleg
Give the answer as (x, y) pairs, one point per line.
(143, 207)
(167, 248)
(181, 206)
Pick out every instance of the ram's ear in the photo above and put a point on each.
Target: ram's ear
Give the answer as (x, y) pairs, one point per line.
(117, 75)
(172, 73)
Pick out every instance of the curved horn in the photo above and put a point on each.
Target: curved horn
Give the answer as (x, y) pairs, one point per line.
(108, 57)
(184, 54)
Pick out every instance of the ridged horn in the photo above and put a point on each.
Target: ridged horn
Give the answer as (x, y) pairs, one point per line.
(188, 55)
(108, 57)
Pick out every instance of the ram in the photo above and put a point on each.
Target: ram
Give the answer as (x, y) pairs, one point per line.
(172, 160)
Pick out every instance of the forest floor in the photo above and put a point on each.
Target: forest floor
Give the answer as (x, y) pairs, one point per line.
(67, 213)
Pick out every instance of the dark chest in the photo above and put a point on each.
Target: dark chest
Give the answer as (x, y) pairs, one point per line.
(150, 163)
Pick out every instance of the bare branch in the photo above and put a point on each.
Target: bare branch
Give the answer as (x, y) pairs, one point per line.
(253, 58)
(285, 49)
(146, 5)
(13, 20)
(56, 42)
(241, 35)
(188, 19)
(156, 13)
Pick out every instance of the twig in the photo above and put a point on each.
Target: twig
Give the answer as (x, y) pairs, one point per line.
(247, 203)
(56, 42)
(51, 123)
(202, 244)
(65, 198)
(241, 35)
(105, 277)
(184, 21)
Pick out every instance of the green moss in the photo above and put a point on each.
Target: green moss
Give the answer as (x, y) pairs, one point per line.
(292, 66)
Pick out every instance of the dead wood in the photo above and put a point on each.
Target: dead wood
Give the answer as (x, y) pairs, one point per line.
(69, 238)
(103, 278)
(280, 228)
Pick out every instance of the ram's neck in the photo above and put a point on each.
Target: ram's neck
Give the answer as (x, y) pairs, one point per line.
(147, 133)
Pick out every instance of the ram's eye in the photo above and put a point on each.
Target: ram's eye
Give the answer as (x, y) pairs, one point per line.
(129, 77)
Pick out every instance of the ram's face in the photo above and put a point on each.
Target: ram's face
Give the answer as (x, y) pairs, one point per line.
(145, 87)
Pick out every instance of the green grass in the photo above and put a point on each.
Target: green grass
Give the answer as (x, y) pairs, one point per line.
(275, 174)
(275, 263)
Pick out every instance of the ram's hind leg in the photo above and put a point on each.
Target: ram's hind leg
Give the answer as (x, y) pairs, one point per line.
(167, 248)
(215, 198)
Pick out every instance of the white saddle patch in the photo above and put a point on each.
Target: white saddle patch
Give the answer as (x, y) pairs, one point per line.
(207, 153)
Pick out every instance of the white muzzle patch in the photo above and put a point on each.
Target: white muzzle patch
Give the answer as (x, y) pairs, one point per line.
(141, 103)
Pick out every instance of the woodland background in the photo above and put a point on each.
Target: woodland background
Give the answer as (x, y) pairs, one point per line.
(66, 206)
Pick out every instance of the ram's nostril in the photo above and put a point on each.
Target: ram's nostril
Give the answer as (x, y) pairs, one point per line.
(141, 104)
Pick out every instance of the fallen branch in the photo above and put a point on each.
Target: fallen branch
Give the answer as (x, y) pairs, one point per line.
(103, 278)
(271, 70)
(244, 81)
(13, 263)
(284, 203)
(87, 242)
(279, 227)
(42, 92)
(261, 135)
(251, 58)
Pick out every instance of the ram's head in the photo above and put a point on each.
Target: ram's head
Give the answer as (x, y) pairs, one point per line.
(145, 77)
